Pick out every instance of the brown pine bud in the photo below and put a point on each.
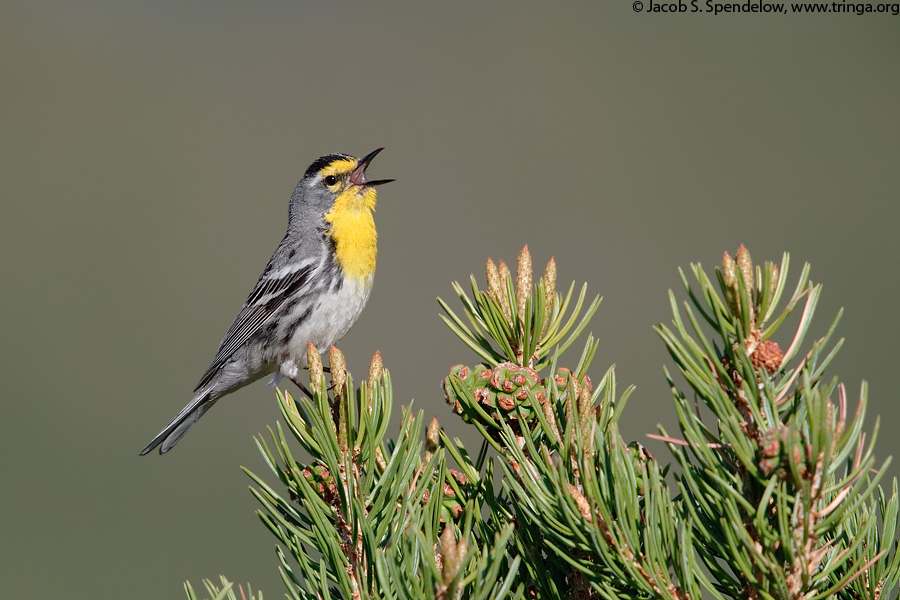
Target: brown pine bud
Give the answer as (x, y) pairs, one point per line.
(505, 277)
(376, 369)
(550, 279)
(523, 282)
(768, 355)
(773, 283)
(549, 292)
(729, 276)
(338, 370)
(453, 554)
(580, 502)
(495, 289)
(314, 363)
(742, 258)
(585, 408)
(504, 272)
(505, 402)
(482, 396)
(432, 436)
(550, 417)
(728, 270)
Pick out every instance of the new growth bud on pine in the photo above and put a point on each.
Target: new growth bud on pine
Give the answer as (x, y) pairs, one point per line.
(503, 271)
(338, 371)
(376, 369)
(742, 258)
(316, 373)
(523, 283)
(497, 289)
(549, 281)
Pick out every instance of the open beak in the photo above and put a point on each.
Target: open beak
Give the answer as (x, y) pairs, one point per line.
(358, 176)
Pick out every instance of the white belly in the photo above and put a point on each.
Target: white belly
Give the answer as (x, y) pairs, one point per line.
(330, 320)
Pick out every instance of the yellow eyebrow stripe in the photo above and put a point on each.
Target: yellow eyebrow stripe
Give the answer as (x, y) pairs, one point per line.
(338, 167)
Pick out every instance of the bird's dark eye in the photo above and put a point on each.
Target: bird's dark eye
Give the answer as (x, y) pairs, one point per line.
(330, 180)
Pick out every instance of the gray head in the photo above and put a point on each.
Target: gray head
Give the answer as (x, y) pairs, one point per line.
(328, 178)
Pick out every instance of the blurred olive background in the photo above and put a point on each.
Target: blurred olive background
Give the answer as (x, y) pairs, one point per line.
(149, 150)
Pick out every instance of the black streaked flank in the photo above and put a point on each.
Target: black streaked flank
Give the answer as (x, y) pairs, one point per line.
(289, 331)
(289, 306)
(332, 269)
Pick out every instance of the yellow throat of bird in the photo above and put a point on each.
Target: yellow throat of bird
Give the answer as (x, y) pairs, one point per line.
(353, 231)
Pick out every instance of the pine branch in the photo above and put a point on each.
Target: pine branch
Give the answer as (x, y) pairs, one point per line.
(778, 488)
(593, 517)
(226, 592)
(368, 517)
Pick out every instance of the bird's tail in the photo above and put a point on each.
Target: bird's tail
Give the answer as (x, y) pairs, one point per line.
(183, 421)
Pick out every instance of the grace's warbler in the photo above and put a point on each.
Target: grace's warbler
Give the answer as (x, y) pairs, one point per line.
(313, 289)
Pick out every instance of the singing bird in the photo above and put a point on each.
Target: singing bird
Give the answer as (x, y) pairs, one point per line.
(312, 290)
